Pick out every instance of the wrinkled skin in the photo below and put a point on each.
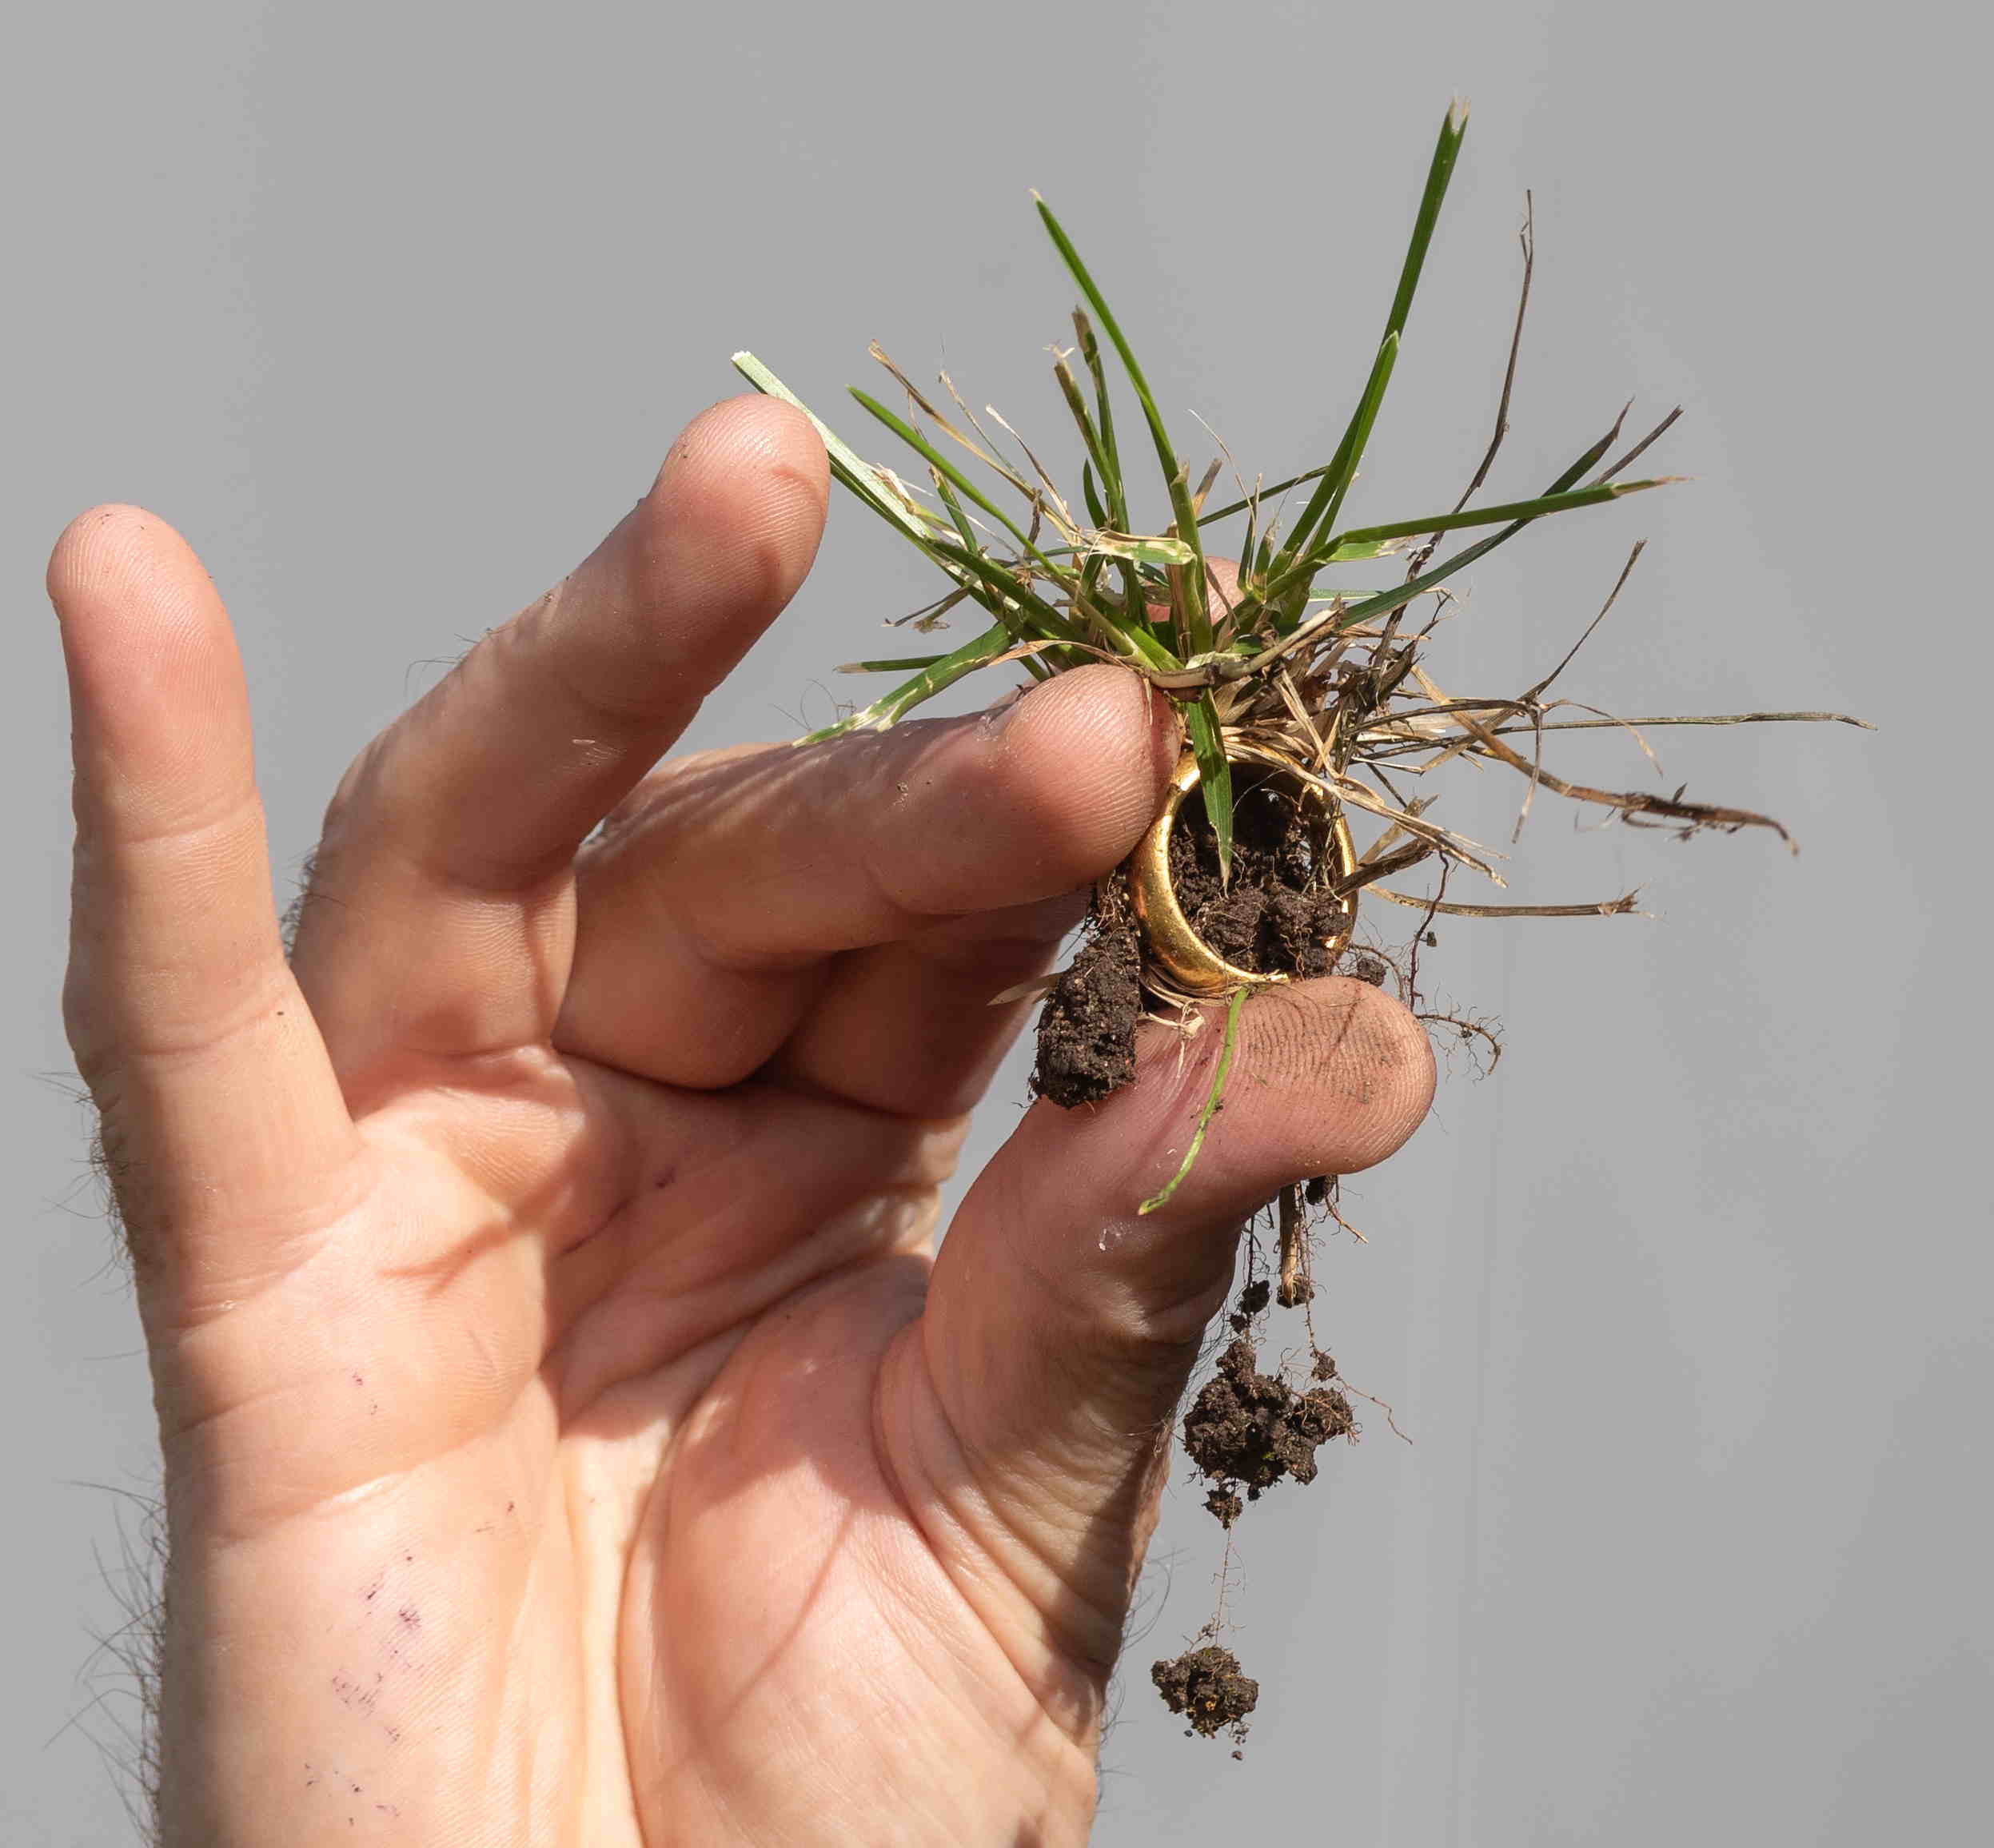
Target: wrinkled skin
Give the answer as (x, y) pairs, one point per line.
(569, 1437)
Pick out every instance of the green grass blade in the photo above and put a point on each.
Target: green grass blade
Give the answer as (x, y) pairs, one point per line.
(1586, 460)
(946, 495)
(1112, 484)
(1360, 536)
(902, 664)
(1111, 479)
(1327, 501)
(1137, 547)
(859, 476)
(1438, 173)
(1092, 495)
(941, 673)
(1033, 612)
(1201, 722)
(851, 469)
(1228, 1044)
(1356, 551)
(936, 460)
(1197, 622)
(1263, 495)
(1386, 601)
(1100, 465)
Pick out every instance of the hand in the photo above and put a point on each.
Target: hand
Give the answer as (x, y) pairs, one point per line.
(568, 1437)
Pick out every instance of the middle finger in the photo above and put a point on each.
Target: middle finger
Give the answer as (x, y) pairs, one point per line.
(721, 899)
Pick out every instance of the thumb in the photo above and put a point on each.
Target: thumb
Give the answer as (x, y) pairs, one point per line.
(1062, 1323)
(223, 1124)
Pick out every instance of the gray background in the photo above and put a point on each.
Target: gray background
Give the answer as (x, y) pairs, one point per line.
(393, 309)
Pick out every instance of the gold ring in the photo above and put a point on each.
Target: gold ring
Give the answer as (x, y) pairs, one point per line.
(1185, 957)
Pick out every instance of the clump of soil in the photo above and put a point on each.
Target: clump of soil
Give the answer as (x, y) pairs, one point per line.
(1247, 1429)
(1087, 1035)
(1271, 919)
(1253, 1299)
(1206, 1686)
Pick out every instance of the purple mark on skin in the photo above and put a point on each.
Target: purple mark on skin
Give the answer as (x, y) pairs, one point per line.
(411, 1617)
(351, 1694)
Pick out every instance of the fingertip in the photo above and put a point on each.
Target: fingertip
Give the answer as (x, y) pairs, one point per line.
(785, 434)
(143, 626)
(112, 545)
(737, 510)
(749, 434)
(1093, 748)
(1352, 1066)
(1327, 1076)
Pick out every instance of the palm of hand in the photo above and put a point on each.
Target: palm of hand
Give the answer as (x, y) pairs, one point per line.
(610, 1477)
(566, 1439)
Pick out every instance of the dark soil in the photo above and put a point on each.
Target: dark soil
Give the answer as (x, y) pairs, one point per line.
(1087, 1035)
(1253, 1299)
(1248, 1430)
(1268, 920)
(1206, 1686)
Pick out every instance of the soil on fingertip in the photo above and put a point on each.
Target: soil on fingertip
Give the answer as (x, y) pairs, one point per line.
(1271, 919)
(1248, 1430)
(1206, 1686)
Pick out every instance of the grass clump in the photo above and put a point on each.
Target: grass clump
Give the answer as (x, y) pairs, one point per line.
(1329, 680)
(1307, 704)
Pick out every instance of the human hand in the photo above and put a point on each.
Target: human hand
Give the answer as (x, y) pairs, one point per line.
(568, 1438)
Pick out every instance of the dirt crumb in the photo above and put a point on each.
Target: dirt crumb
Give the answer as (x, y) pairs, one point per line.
(1206, 1686)
(1249, 1429)
(1225, 1505)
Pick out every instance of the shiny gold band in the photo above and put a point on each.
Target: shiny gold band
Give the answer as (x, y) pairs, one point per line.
(1176, 949)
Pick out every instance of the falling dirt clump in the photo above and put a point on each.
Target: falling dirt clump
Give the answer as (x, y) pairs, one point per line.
(1224, 1505)
(1249, 1429)
(1206, 1686)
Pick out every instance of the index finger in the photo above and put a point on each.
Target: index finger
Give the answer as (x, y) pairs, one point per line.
(447, 848)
